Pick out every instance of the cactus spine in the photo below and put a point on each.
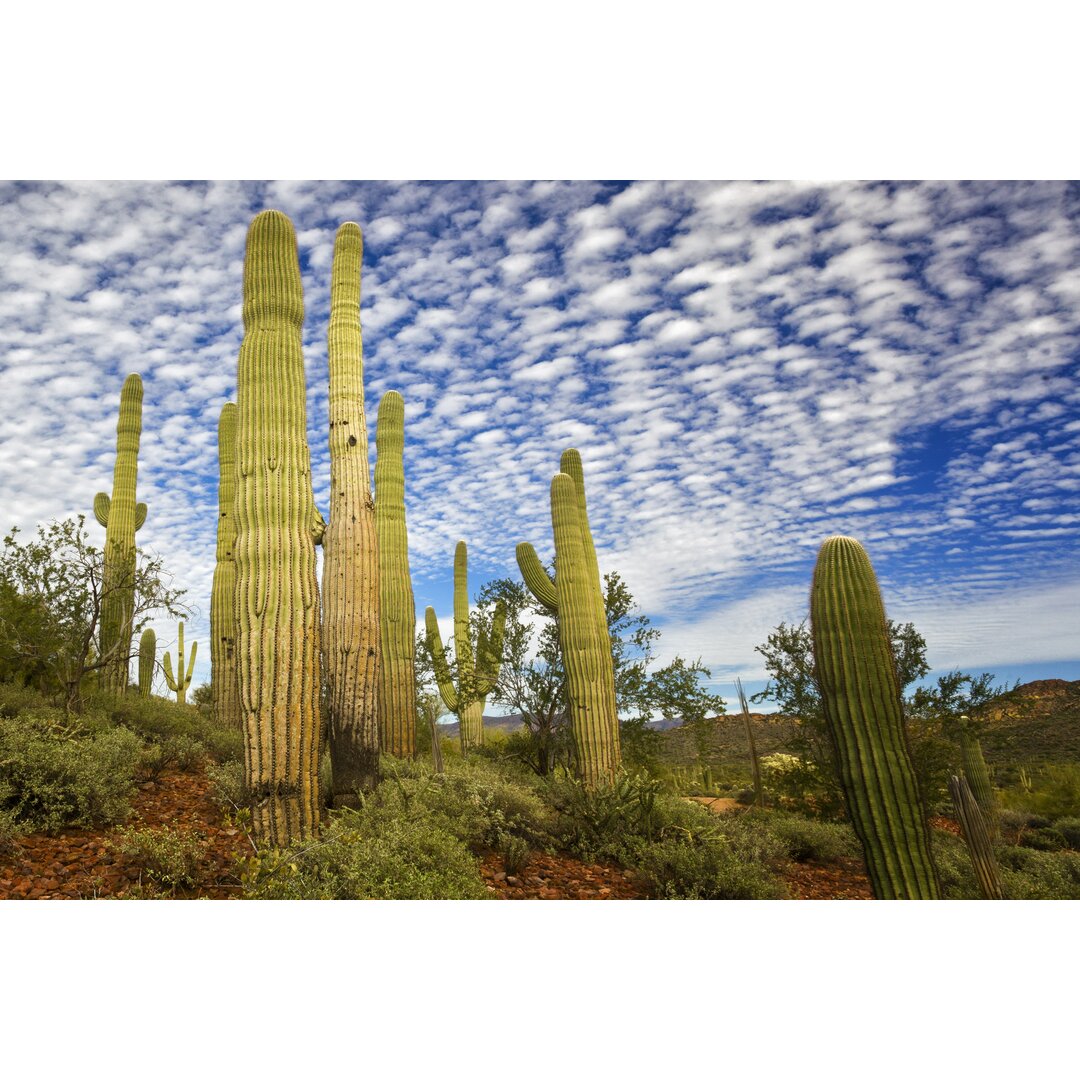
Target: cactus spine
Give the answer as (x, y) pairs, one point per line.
(181, 682)
(978, 775)
(476, 676)
(277, 527)
(860, 693)
(147, 661)
(222, 614)
(350, 559)
(977, 838)
(578, 599)
(397, 609)
(122, 517)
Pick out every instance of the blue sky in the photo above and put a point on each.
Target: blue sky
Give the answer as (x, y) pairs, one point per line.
(746, 369)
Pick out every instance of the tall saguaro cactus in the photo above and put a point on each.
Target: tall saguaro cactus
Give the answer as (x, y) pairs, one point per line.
(350, 558)
(397, 609)
(147, 661)
(860, 693)
(977, 838)
(578, 601)
(122, 517)
(277, 526)
(222, 596)
(180, 683)
(978, 775)
(476, 673)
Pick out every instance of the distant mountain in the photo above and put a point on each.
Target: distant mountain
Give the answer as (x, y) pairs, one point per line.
(509, 723)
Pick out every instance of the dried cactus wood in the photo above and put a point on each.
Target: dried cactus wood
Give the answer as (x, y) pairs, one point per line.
(977, 838)
(180, 683)
(978, 775)
(147, 661)
(122, 517)
(477, 672)
(397, 608)
(277, 526)
(584, 642)
(860, 694)
(350, 558)
(222, 597)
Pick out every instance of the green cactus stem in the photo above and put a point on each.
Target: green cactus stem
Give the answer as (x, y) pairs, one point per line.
(748, 727)
(180, 683)
(147, 661)
(977, 838)
(584, 642)
(226, 702)
(477, 673)
(978, 775)
(277, 525)
(860, 694)
(350, 557)
(397, 608)
(122, 517)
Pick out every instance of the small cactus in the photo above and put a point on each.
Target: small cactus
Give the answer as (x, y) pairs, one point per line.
(223, 595)
(180, 683)
(147, 661)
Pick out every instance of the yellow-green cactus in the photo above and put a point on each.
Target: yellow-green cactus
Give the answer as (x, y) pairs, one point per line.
(179, 683)
(350, 558)
(577, 598)
(476, 676)
(122, 517)
(277, 524)
(222, 596)
(397, 609)
(147, 661)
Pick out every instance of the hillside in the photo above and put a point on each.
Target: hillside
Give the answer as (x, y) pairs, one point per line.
(1036, 723)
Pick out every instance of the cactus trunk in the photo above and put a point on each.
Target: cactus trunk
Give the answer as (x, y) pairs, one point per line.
(350, 558)
(860, 694)
(277, 593)
(977, 838)
(978, 776)
(397, 608)
(222, 597)
(180, 683)
(147, 661)
(121, 516)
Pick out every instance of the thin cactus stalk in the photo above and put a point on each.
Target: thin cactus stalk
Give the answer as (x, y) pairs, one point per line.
(476, 676)
(397, 608)
(977, 838)
(222, 598)
(179, 683)
(584, 642)
(978, 775)
(277, 528)
(860, 693)
(755, 764)
(350, 558)
(122, 517)
(147, 661)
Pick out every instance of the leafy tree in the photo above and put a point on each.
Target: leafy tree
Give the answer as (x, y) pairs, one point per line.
(52, 590)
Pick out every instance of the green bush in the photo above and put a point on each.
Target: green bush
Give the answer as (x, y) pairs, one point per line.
(810, 839)
(10, 831)
(227, 785)
(166, 857)
(1054, 792)
(1069, 827)
(710, 870)
(1039, 875)
(52, 778)
(955, 871)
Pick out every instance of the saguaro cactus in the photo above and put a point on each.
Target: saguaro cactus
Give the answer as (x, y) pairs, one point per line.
(397, 609)
(180, 683)
(147, 661)
(977, 774)
(277, 525)
(122, 517)
(476, 676)
(350, 558)
(578, 601)
(860, 693)
(977, 838)
(222, 597)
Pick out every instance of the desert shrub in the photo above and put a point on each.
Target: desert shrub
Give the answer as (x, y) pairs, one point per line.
(52, 778)
(1054, 792)
(514, 852)
(177, 751)
(222, 743)
(166, 857)
(798, 783)
(10, 831)
(955, 871)
(227, 785)
(707, 870)
(1044, 839)
(1039, 875)
(808, 839)
(157, 720)
(1069, 827)
(367, 857)
(15, 700)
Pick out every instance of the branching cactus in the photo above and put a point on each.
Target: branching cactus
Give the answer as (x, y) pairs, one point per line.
(147, 661)
(977, 838)
(350, 558)
(476, 675)
(978, 775)
(122, 517)
(180, 683)
(397, 609)
(860, 694)
(222, 597)
(577, 599)
(277, 527)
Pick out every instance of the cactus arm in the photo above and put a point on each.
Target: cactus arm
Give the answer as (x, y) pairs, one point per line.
(438, 659)
(318, 527)
(536, 577)
(977, 775)
(977, 839)
(170, 681)
(191, 665)
(101, 509)
(140, 515)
